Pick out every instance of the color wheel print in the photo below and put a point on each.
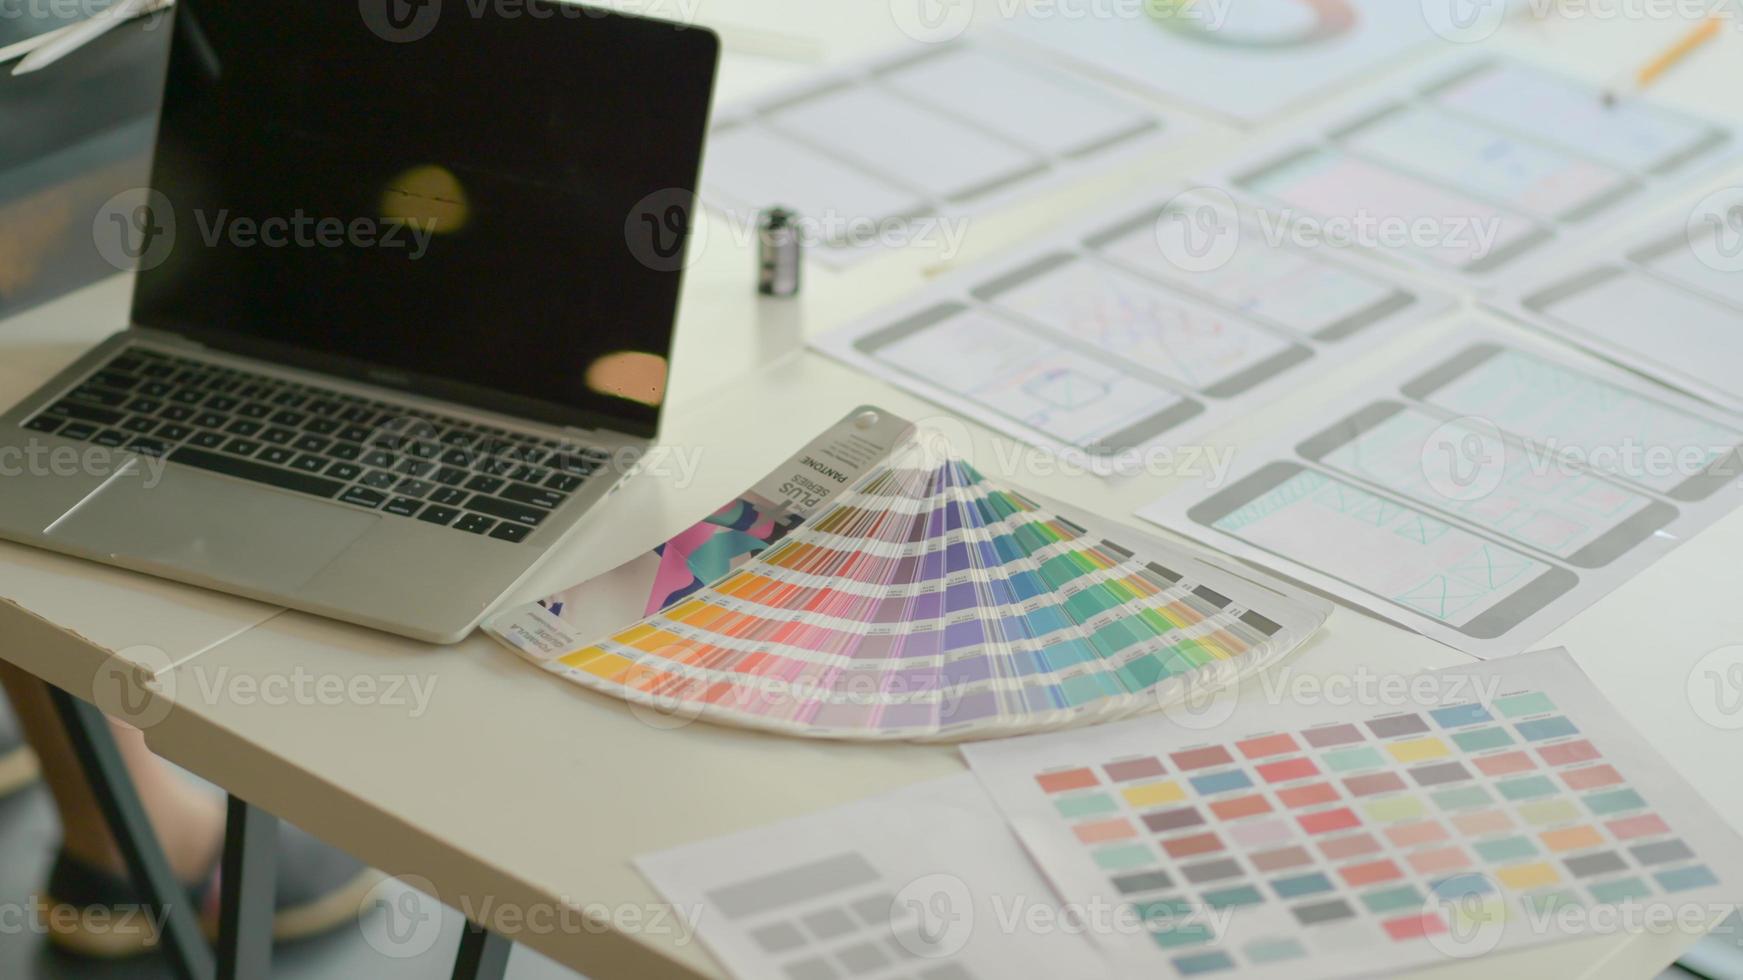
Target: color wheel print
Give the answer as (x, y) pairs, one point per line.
(1331, 18)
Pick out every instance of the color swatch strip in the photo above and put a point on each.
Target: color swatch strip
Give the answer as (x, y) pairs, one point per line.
(927, 602)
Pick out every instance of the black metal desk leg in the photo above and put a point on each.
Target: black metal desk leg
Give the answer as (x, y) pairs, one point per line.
(249, 879)
(483, 955)
(147, 866)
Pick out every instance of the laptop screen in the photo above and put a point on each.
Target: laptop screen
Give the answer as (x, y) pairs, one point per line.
(481, 200)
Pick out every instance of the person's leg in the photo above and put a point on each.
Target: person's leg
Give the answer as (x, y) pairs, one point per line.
(189, 822)
(18, 767)
(317, 888)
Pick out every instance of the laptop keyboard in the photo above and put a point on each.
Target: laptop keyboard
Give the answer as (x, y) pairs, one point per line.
(387, 458)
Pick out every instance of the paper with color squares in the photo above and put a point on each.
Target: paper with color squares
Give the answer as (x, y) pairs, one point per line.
(924, 883)
(1481, 496)
(1484, 808)
(928, 602)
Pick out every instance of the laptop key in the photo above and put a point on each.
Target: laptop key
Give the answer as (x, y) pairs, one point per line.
(223, 403)
(149, 447)
(258, 473)
(415, 467)
(458, 457)
(146, 405)
(378, 458)
(78, 430)
(403, 506)
(211, 420)
(243, 427)
(44, 423)
(177, 413)
(173, 432)
(437, 514)
(321, 426)
(537, 496)
(109, 437)
(447, 495)
(448, 475)
(207, 440)
(414, 488)
(115, 379)
(278, 436)
(344, 471)
(508, 510)
(255, 410)
(484, 484)
(474, 523)
(362, 497)
(100, 396)
(563, 483)
(139, 425)
(310, 444)
(88, 413)
(574, 465)
(510, 532)
(292, 419)
(277, 455)
(242, 447)
(379, 479)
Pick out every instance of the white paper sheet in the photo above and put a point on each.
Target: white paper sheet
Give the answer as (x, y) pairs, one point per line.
(1475, 167)
(1481, 495)
(1245, 60)
(1113, 341)
(902, 149)
(925, 882)
(1669, 305)
(1456, 813)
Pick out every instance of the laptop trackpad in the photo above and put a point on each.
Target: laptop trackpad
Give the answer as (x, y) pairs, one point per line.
(211, 526)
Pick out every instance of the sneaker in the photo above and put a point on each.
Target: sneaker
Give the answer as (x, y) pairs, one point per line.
(18, 767)
(92, 912)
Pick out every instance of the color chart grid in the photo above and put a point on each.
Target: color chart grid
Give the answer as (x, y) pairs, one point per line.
(1368, 833)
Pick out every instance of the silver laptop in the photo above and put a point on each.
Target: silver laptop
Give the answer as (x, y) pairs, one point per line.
(407, 281)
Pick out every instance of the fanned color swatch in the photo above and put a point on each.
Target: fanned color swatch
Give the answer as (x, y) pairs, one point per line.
(928, 603)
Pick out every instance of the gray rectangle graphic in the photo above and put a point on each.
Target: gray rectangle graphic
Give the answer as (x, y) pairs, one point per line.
(794, 885)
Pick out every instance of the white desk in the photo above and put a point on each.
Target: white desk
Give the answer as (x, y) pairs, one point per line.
(513, 792)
